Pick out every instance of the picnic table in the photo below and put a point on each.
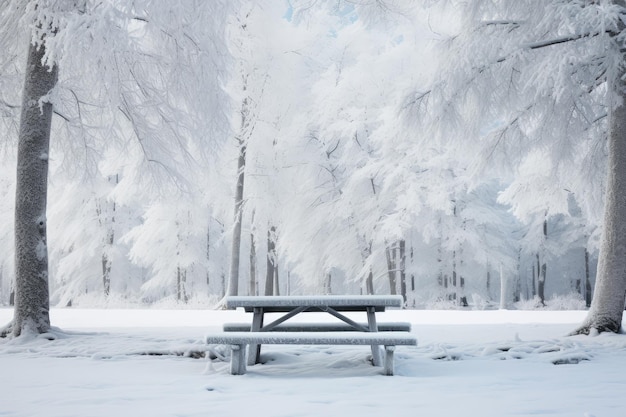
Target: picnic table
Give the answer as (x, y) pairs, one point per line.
(335, 305)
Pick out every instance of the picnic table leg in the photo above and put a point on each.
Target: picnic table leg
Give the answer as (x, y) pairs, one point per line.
(254, 351)
(237, 360)
(373, 327)
(389, 359)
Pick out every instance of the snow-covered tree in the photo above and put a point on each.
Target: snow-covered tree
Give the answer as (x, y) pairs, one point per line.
(528, 78)
(140, 97)
(607, 307)
(31, 245)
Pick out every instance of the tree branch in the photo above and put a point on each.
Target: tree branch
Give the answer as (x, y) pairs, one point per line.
(62, 116)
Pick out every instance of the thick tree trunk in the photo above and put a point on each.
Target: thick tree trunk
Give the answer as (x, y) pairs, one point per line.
(31, 250)
(607, 307)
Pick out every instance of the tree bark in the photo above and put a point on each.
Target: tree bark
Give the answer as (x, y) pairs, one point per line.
(31, 252)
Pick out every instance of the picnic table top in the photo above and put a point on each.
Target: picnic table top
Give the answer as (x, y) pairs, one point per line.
(343, 302)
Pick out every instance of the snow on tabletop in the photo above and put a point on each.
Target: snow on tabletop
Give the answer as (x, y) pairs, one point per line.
(468, 363)
(313, 300)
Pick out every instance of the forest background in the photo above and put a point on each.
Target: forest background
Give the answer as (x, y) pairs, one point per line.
(205, 148)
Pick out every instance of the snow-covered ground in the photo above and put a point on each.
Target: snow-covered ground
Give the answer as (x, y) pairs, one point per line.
(468, 363)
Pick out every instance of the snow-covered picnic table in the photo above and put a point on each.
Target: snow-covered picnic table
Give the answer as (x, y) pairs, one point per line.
(336, 305)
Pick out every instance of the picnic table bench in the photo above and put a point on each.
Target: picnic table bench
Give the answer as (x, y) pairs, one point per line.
(238, 341)
(343, 332)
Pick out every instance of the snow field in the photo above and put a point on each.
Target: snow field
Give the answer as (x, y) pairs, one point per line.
(471, 363)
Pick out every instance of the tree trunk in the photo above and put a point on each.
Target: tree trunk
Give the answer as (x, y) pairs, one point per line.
(181, 284)
(541, 284)
(252, 282)
(518, 279)
(31, 251)
(106, 274)
(452, 296)
(276, 282)
(271, 262)
(327, 284)
(539, 289)
(578, 282)
(233, 281)
(391, 268)
(109, 224)
(504, 291)
(208, 257)
(533, 286)
(369, 283)
(366, 252)
(607, 306)
(413, 303)
(403, 269)
(587, 280)
(542, 270)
